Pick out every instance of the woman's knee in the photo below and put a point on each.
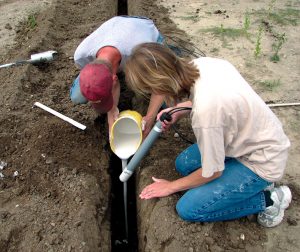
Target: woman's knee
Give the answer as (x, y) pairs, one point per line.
(185, 212)
(182, 211)
(180, 164)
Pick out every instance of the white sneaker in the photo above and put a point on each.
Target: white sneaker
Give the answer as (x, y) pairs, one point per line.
(273, 215)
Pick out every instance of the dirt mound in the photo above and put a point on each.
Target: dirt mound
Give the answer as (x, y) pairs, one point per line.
(59, 199)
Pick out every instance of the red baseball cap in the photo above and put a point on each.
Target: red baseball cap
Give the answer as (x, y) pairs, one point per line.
(96, 83)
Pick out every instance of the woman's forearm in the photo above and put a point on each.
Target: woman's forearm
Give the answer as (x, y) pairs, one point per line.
(155, 104)
(183, 113)
(193, 180)
(185, 104)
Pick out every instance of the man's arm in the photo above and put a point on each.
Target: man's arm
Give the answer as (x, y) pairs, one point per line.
(114, 112)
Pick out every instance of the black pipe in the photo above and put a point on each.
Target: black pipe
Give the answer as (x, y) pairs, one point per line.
(122, 7)
(119, 240)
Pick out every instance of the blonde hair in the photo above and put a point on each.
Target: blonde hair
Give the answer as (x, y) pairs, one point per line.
(154, 68)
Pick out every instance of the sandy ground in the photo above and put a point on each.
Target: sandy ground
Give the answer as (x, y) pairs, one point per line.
(61, 200)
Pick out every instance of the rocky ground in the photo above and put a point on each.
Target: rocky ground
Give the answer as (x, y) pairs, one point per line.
(60, 198)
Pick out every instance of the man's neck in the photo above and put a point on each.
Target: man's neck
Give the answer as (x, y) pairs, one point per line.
(112, 55)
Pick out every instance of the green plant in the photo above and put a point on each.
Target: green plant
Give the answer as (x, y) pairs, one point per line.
(246, 22)
(270, 85)
(31, 21)
(280, 40)
(258, 42)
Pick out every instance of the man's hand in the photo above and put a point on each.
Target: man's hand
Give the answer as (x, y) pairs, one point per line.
(160, 188)
(112, 115)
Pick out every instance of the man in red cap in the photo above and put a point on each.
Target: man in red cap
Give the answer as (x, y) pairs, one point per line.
(96, 83)
(102, 55)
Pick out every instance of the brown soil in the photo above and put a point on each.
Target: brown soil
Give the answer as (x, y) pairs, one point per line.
(60, 199)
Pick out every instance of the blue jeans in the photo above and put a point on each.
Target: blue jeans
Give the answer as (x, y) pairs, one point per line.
(75, 93)
(237, 193)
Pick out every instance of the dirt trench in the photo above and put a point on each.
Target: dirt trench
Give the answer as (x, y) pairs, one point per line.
(61, 199)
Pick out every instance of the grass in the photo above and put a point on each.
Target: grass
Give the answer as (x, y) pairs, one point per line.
(214, 50)
(223, 32)
(232, 33)
(190, 16)
(270, 85)
(288, 16)
(31, 21)
(289, 3)
(267, 18)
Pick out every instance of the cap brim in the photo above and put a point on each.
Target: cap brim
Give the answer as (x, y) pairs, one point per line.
(104, 107)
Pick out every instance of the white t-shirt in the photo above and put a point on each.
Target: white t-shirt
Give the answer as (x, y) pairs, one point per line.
(121, 32)
(230, 119)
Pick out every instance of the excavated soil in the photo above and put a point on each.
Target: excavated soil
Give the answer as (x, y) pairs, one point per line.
(55, 190)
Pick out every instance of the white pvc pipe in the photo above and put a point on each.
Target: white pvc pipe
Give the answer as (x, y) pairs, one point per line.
(61, 116)
(42, 57)
(284, 104)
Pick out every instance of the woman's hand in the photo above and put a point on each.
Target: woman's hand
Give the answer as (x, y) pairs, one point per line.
(167, 124)
(160, 188)
(147, 125)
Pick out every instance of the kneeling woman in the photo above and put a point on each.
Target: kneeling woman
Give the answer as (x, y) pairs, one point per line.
(241, 148)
